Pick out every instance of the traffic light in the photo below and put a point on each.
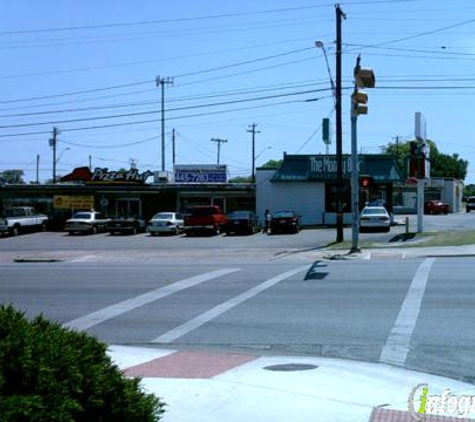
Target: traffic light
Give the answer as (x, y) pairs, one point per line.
(359, 100)
(366, 181)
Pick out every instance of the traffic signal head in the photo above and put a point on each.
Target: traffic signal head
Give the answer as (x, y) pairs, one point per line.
(359, 100)
(366, 181)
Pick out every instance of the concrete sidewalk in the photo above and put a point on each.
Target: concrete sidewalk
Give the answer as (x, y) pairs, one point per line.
(213, 386)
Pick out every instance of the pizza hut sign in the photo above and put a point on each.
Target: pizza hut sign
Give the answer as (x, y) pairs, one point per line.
(103, 175)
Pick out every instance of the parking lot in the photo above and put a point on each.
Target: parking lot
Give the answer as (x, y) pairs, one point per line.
(144, 246)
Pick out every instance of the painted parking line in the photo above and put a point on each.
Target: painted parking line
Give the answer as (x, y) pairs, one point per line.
(220, 309)
(97, 317)
(397, 345)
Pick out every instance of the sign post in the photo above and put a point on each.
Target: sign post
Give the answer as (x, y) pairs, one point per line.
(422, 169)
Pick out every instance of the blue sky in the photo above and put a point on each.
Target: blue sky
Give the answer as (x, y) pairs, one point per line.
(89, 68)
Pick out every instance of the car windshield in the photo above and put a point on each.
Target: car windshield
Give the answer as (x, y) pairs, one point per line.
(239, 214)
(163, 216)
(201, 212)
(83, 215)
(283, 214)
(374, 211)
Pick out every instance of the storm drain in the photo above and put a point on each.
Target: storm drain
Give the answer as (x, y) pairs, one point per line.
(289, 367)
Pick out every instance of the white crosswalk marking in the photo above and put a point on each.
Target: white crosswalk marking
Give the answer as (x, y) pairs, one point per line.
(95, 318)
(207, 316)
(397, 345)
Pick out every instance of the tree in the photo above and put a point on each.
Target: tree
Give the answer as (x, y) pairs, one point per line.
(13, 177)
(241, 179)
(272, 164)
(442, 165)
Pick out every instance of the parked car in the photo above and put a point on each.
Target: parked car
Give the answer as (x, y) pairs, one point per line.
(127, 225)
(86, 222)
(16, 220)
(165, 222)
(205, 218)
(435, 207)
(375, 218)
(470, 204)
(284, 221)
(242, 222)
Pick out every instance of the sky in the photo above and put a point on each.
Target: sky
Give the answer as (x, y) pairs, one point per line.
(90, 69)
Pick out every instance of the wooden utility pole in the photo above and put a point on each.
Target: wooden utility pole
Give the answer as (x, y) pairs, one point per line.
(253, 131)
(52, 143)
(161, 82)
(339, 129)
(219, 141)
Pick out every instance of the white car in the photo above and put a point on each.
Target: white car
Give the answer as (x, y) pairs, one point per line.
(86, 222)
(165, 222)
(375, 218)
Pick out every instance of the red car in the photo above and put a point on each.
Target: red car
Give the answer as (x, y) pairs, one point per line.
(435, 207)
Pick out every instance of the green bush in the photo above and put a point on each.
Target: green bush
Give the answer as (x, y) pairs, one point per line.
(51, 374)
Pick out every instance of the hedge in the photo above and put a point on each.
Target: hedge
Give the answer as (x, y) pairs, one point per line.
(52, 374)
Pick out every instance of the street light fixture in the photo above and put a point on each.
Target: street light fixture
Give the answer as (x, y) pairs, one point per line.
(320, 44)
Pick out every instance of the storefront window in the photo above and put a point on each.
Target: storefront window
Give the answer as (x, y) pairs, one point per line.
(331, 197)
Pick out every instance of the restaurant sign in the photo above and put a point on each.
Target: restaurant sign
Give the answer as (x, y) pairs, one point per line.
(73, 202)
(201, 173)
(103, 175)
(325, 167)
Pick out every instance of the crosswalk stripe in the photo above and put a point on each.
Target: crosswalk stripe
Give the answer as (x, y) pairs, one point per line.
(397, 345)
(218, 310)
(97, 317)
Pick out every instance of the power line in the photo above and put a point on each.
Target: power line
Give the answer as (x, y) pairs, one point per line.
(161, 21)
(84, 119)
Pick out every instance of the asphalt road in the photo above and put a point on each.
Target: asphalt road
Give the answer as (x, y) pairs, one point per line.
(250, 293)
(339, 309)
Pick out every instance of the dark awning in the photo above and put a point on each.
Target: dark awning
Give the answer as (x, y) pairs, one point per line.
(294, 168)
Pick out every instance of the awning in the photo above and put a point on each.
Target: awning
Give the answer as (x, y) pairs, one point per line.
(298, 168)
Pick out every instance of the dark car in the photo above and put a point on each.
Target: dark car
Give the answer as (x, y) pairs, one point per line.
(285, 221)
(435, 207)
(242, 222)
(126, 225)
(470, 204)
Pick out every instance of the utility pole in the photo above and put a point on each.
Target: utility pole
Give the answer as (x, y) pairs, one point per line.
(219, 141)
(52, 143)
(339, 129)
(37, 169)
(161, 82)
(173, 148)
(253, 131)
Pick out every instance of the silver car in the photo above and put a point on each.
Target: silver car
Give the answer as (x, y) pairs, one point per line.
(375, 218)
(165, 222)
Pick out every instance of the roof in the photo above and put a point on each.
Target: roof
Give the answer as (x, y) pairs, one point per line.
(294, 168)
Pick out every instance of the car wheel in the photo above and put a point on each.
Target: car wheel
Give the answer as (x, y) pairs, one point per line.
(16, 230)
(94, 230)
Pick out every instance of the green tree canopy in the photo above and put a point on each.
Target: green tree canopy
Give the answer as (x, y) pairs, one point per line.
(14, 177)
(442, 165)
(272, 164)
(241, 179)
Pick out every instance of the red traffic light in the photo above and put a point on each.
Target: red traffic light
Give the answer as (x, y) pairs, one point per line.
(366, 181)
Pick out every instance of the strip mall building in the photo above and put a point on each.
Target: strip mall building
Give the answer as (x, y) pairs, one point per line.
(303, 183)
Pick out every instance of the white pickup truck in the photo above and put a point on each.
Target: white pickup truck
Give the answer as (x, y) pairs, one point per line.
(16, 220)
